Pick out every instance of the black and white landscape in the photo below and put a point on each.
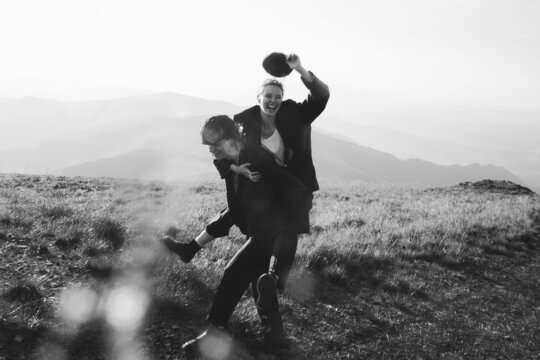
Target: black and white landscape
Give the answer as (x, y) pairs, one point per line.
(157, 137)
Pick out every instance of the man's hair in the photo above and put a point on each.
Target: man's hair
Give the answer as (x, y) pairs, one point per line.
(219, 128)
(272, 82)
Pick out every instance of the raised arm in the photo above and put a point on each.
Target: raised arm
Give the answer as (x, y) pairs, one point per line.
(319, 93)
(294, 63)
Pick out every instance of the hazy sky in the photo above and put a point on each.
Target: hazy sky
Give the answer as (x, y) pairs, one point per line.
(469, 52)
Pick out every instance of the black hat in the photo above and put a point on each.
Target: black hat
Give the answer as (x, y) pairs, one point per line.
(219, 128)
(276, 64)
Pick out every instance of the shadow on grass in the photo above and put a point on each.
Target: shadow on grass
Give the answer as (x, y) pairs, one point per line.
(345, 271)
(89, 341)
(524, 242)
(520, 245)
(17, 341)
(168, 310)
(467, 266)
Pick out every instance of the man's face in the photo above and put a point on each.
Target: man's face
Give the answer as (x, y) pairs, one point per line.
(215, 142)
(270, 99)
(219, 149)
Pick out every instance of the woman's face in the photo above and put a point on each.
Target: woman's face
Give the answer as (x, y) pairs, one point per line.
(270, 99)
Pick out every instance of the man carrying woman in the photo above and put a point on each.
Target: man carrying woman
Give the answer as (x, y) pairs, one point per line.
(283, 128)
(262, 210)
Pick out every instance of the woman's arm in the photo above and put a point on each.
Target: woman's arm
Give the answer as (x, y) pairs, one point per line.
(243, 170)
(319, 92)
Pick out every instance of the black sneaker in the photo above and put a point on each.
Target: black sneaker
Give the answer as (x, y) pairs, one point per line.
(214, 343)
(266, 287)
(273, 331)
(186, 251)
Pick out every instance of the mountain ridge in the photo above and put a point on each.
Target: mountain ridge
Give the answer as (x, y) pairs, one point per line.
(85, 138)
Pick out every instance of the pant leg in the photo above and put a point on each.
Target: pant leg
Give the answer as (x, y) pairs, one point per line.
(245, 267)
(283, 253)
(220, 224)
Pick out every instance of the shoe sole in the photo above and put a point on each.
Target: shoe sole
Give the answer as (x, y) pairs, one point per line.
(266, 287)
(173, 247)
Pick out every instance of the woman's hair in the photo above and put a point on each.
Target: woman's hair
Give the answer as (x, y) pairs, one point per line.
(272, 82)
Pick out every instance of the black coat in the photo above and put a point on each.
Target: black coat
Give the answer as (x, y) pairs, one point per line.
(293, 122)
(262, 208)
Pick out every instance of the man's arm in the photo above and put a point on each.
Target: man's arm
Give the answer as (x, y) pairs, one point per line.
(223, 166)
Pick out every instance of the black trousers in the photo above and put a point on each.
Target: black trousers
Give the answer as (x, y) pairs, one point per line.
(244, 269)
(284, 249)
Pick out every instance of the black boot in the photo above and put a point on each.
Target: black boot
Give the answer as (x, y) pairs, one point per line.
(273, 332)
(266, 287)
(268, 309)
(186, 251)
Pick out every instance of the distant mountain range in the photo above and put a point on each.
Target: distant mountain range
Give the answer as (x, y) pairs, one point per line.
(157, 137)
(504, 137)
(347, 160)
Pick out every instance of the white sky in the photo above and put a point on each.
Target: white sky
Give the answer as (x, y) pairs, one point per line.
(469, 52)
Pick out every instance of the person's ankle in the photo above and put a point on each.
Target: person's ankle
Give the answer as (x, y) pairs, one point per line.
(195, 245)
(273, 273)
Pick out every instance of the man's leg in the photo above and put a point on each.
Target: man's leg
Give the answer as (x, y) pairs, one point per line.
(245, 267)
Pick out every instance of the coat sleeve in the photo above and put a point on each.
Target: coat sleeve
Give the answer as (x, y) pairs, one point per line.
(223, 166)
(313, 106)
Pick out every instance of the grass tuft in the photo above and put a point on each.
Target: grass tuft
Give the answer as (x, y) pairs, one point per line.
(322, 257)
(110, 230)
(23, 293)
(56, 212)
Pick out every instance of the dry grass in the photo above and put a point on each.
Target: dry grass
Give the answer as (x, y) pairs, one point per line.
(387, 273)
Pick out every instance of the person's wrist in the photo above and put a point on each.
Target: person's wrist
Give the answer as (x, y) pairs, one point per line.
(306, 75)
(300, 69)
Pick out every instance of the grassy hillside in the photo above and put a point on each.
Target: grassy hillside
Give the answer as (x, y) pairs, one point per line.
(387, 273)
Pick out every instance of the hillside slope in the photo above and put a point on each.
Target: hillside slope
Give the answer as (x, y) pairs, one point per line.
(388, 272)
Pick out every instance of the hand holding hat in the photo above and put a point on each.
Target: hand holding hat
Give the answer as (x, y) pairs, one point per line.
(293, 61)
(281, 65)
(277, 64)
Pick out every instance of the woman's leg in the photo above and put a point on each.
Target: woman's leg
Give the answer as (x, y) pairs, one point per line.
(283, 255)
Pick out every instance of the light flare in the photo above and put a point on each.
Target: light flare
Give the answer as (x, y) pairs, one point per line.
(216, 347)
(78, 305)
(125, 308)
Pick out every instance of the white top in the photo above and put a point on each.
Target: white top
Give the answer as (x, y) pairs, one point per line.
(275, 145)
